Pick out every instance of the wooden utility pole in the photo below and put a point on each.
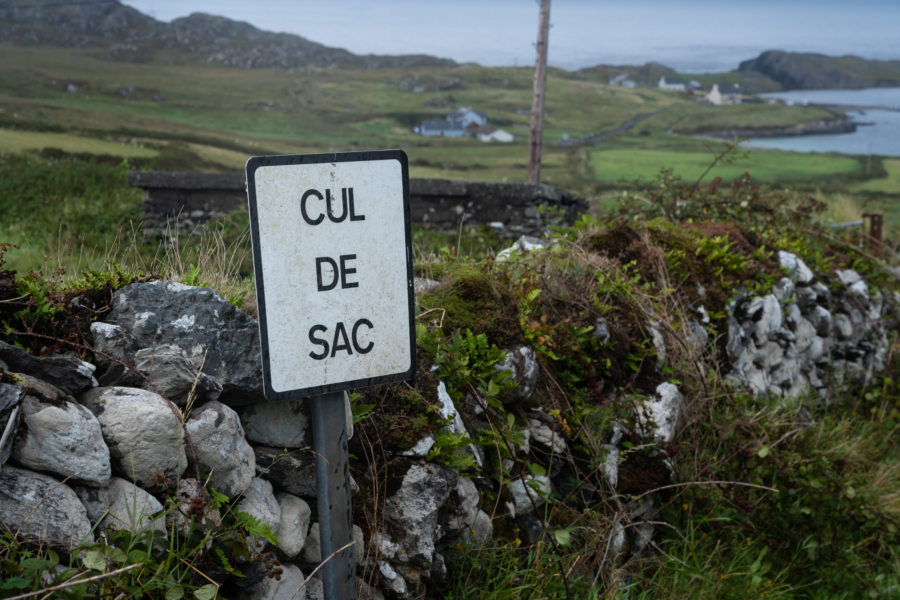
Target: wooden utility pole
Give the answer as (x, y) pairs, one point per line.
(537, 104)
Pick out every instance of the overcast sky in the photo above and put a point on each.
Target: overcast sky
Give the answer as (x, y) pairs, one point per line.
(689, 35)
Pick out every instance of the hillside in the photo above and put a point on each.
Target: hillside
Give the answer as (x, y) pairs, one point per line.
(806, 71)
(123, 33)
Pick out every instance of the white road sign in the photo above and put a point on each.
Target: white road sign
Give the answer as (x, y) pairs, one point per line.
(333, 262)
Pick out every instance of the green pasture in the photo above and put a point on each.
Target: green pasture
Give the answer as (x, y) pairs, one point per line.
(764, 165)
(889, 184)
(21, 141)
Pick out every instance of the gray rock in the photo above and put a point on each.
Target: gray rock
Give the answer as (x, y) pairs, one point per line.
(222, 451)
(465, 507)
(522, 366)
(278, 424)
(11, 397)
(289, 586)
(768, 315)
(64, 439)
(259, 501)
(68, 373)
(40, 508)
(481, 530)
(143, 432)
(843, 326)
(392, 581)
(783, 289)
(293, 525)
(412, 511)
(536, 488)
(291, 471)
(315, 590)
(546, 438)
(312, 547)
(523, 245)
(359, 544)
(193, 509)
(122, 506)
(697, 335)
(423, 285)
(796, 268)
(848, 276)
(662, 412)
(200, 322)
(821, 319)
(174, 375)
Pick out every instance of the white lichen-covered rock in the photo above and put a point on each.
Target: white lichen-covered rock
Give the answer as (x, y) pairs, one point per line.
(796, 268)
(522, 366)
(528, 494)
(222, 450)
(143, 432)
(288, 586)
(523, 245)
(64, 438)
(660, 414)
(312, 548)
(38, 507)
(546, 438)
(412, 511)
(259, 501)
(122, 506)
(174, 375)
(293, 524)
(277, 424)
(206, 326)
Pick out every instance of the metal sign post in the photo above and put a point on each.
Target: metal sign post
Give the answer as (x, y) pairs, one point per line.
(332, 256)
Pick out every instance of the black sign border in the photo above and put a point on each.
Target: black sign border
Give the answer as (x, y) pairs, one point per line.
(305, 159)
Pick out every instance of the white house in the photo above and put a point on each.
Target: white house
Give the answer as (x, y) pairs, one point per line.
(675, 84)
(724, 95)
(442, 128)
(492, 134)
(467, 116)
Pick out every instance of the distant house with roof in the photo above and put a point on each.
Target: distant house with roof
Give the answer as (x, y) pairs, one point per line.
(674, 84)
(457, 124)
(467, 116)
(442, 128)
(489, 133)
(724, 95)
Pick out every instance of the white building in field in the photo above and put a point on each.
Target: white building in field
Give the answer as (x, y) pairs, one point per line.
(674, 84)
(492, 134)
(725, 95)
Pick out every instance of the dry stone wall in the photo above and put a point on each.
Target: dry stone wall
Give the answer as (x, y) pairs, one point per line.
(84, 442)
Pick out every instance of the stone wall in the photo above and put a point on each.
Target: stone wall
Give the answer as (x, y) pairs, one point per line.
(187, 200)
(85, 444)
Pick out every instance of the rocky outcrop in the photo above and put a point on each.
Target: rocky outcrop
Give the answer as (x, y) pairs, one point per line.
(129, 35)
(807, 71)
(838, 124)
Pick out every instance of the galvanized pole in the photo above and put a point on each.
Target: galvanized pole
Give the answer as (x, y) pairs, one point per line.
(537, 104)
(333, 483)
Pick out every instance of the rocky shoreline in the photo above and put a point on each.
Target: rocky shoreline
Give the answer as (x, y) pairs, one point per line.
(842, 124)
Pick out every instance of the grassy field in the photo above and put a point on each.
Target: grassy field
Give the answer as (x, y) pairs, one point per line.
(763, 165)
(186, 115)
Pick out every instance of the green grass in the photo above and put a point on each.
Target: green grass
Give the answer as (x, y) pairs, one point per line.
(890, 184)
(20, 141)
(628, 164)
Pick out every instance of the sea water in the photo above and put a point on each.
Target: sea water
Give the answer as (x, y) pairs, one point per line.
(876, 111)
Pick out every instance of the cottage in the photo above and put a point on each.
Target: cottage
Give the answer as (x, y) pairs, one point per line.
(467, 116)
(674, 84)
(489, 133)
(725, 95)
(442, 128)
